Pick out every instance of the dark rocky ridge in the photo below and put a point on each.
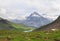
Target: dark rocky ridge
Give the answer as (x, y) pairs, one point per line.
(3, 21)
(4, 24)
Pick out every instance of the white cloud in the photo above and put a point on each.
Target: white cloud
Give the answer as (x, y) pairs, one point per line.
(18, 8)
(2, 11)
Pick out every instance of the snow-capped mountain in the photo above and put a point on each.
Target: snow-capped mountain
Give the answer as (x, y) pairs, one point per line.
(36, 20)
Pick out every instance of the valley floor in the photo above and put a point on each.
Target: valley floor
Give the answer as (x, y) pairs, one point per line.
(12, 35)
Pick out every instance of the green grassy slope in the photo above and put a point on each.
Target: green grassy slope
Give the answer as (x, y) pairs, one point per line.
(21, 27)
(32, 36)
(6, 25)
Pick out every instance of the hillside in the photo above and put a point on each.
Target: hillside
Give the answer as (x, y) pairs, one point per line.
(53, 25)
(13, 35)
(7, 25)
(4, 25)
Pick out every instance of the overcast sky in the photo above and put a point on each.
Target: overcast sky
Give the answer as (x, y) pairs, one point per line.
(12, 9)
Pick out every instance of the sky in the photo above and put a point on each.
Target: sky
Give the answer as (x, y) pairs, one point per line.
(19, 9)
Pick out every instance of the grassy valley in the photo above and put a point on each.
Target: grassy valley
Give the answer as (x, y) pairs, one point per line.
(21, 27)
(17, 33)
(7, 25)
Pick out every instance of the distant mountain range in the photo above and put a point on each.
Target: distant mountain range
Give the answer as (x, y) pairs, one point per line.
(34, 19)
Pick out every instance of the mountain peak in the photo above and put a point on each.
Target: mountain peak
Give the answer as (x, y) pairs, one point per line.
(35, 14)
(36, 20)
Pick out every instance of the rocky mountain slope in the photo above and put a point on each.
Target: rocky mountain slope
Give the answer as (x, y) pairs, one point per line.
(53, 25)
(36, 20)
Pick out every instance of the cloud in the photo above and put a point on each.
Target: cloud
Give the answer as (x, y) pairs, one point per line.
(18, 8)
